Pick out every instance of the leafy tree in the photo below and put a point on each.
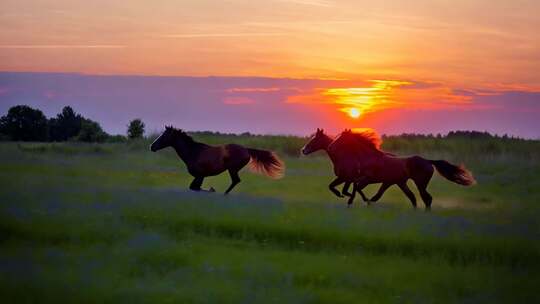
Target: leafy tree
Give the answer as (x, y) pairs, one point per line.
(91, 131)
(135, 129)
(66, 125)
(23, 123)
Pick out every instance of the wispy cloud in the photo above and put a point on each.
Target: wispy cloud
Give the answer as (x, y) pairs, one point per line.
(61, 46)
(219, 35)
(322, 3)
(237, 100)
(250, 90)
(299, 23)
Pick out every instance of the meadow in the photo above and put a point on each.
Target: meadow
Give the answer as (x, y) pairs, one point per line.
(109, 223)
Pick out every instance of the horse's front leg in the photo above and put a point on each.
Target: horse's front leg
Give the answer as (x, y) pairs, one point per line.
(353, 194)
(380, 192)
(333, 185)
(345, 190)
(197, 183)
(359, 187)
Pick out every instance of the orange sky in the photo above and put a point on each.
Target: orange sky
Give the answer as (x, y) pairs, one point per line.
(463, 42)
(392, 53)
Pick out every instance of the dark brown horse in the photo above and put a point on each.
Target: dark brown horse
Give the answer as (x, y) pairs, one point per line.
(340, 158)
(203, 160)
(362, 152)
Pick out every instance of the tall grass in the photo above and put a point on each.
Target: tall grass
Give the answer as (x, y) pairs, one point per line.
(479, 148)
(115, 223)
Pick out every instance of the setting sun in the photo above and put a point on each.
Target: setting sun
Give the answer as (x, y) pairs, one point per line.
(354, 112)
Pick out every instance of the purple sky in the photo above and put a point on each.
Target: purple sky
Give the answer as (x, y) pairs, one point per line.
(258, 105)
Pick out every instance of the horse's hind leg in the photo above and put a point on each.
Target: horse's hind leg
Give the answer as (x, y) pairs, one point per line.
(403, 186)
(426, 197)
(421, 177)
(421, 172)
(421, 184)
(235, 179)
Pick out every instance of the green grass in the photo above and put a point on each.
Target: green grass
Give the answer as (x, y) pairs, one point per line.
(115, 223)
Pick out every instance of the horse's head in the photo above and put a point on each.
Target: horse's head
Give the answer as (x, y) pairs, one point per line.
(358, 141)
(319, 141)
(165, 140)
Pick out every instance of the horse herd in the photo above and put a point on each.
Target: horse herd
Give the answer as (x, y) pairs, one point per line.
(357, 158)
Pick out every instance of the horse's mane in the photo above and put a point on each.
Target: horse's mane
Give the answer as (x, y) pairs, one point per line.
(179, 133)
(367, 137)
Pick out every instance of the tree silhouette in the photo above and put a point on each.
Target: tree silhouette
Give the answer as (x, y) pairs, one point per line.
(66, 125)
(135, 129)
(23, 123)
(91, 131)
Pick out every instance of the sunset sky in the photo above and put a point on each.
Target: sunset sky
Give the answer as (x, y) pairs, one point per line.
(425, 66)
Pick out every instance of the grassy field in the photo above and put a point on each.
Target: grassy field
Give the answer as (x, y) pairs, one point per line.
(112, 223)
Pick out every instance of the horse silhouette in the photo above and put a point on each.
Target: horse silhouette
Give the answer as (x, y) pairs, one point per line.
(203, 160)
(344, 174)
(360, 154)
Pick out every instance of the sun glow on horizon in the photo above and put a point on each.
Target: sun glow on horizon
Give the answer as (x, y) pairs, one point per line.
(361, 100)
(354, 113)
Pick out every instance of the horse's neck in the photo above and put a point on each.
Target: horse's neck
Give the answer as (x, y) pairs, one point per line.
(341, 157)
(187, 151)
(334, 157)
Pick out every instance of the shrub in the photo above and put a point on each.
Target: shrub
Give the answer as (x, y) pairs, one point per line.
(91, 131)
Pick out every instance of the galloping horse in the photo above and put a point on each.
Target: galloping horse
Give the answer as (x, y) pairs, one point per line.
(203, 160)
(344, 173)
(362, 152)
(357, 157)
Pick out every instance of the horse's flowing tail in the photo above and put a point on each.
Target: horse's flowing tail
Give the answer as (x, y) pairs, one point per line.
(457, 174)
(266, 162)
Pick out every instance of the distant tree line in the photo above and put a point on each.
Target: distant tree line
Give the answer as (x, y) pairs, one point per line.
(23, 123)
(453, 134)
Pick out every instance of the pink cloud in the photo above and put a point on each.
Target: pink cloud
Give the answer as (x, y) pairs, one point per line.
(49, 94)
(237, 100)
(250, 90)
